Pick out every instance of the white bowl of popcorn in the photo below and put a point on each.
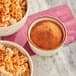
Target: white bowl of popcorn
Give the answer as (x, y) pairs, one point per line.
(13, 15)
(14, 60)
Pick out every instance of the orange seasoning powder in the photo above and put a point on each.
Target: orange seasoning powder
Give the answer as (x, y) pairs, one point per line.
(46, 35)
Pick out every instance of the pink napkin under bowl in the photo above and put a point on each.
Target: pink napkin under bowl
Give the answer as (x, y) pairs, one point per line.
(62, 12)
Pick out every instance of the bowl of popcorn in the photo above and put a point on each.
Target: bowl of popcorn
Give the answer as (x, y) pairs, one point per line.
(13, 15)
(14, 60)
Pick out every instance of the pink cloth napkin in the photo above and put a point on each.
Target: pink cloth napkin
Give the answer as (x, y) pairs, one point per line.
(62, 12)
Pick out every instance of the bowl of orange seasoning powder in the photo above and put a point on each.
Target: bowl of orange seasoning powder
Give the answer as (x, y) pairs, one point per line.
(46, 35)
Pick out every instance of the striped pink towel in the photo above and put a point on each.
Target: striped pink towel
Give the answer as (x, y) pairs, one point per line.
(62, 12)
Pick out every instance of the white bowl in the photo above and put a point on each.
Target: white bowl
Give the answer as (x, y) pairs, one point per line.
(5, 31)
(22, 50)
(38, 50)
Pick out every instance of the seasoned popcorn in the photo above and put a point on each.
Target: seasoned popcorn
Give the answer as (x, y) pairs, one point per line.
(11, 11)
(13, 62)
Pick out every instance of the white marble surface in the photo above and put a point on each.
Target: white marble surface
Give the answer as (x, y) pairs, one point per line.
(64, 62)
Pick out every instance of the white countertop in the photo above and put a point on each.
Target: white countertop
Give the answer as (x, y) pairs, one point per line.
(64, 62)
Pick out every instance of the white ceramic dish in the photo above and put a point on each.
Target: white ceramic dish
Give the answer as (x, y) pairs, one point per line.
(5, 31)
(40, 51)
(22, 50)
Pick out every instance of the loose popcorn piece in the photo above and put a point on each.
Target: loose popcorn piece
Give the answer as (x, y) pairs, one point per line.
(12, 21)
(10, 52)
(2, 47)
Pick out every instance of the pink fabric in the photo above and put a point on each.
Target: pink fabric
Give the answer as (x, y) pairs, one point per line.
(62, 12)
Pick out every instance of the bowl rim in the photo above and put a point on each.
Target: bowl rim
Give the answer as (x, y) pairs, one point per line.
(10, 43)
(25, 15)
(46, 17)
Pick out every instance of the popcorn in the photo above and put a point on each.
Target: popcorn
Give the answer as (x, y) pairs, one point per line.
(13, 62)
(11, 11)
